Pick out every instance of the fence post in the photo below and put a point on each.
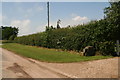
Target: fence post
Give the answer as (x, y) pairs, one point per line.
(118, 47)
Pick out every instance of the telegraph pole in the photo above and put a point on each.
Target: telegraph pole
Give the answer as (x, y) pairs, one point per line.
(48, 13)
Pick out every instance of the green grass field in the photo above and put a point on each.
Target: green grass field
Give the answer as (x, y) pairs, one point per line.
(48, 55)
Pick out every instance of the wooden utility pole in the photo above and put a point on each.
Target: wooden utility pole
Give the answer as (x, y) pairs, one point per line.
(48, 13)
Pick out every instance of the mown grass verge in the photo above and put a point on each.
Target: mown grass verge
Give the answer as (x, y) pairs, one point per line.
(48, 55)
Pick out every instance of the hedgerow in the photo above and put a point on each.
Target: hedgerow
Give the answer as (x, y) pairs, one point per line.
(95, 33)
(101, 34)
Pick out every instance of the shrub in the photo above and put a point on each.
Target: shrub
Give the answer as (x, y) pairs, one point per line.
(106, 48)
(95, 33)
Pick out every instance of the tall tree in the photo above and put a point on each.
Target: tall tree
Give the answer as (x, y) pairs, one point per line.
(9, 33)
(113, 18)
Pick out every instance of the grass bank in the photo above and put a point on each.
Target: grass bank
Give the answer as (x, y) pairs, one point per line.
(48, 55)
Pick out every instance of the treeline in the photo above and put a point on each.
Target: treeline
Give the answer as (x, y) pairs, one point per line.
(101, 34)
(8, 33)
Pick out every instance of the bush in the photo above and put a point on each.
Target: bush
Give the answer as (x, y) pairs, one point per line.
(106, 48)
(12, 37)
(95, 33)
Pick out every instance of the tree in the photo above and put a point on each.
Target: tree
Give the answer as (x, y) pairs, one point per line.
(58, 23)
(49, 28)
(113, 18)
(9, 32)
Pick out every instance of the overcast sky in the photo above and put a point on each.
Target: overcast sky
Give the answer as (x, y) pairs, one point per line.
(31, 17)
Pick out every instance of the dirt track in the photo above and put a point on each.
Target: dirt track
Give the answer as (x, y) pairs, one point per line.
(15, 66)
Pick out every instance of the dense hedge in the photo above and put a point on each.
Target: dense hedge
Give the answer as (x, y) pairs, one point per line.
(102, 34)
(95, 33)
(39, 39)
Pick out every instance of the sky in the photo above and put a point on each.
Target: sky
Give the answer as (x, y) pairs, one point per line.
(31, 17)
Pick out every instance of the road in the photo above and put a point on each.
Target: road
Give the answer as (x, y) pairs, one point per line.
(15, 66)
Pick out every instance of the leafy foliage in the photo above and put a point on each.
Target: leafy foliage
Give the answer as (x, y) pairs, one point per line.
(101, 34)
(9, 33)
(113, 18)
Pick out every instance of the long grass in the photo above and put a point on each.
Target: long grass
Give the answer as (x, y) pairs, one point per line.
(48, 55)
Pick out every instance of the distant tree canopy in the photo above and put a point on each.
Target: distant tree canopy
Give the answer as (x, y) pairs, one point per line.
(9, 33)
(53, 28)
